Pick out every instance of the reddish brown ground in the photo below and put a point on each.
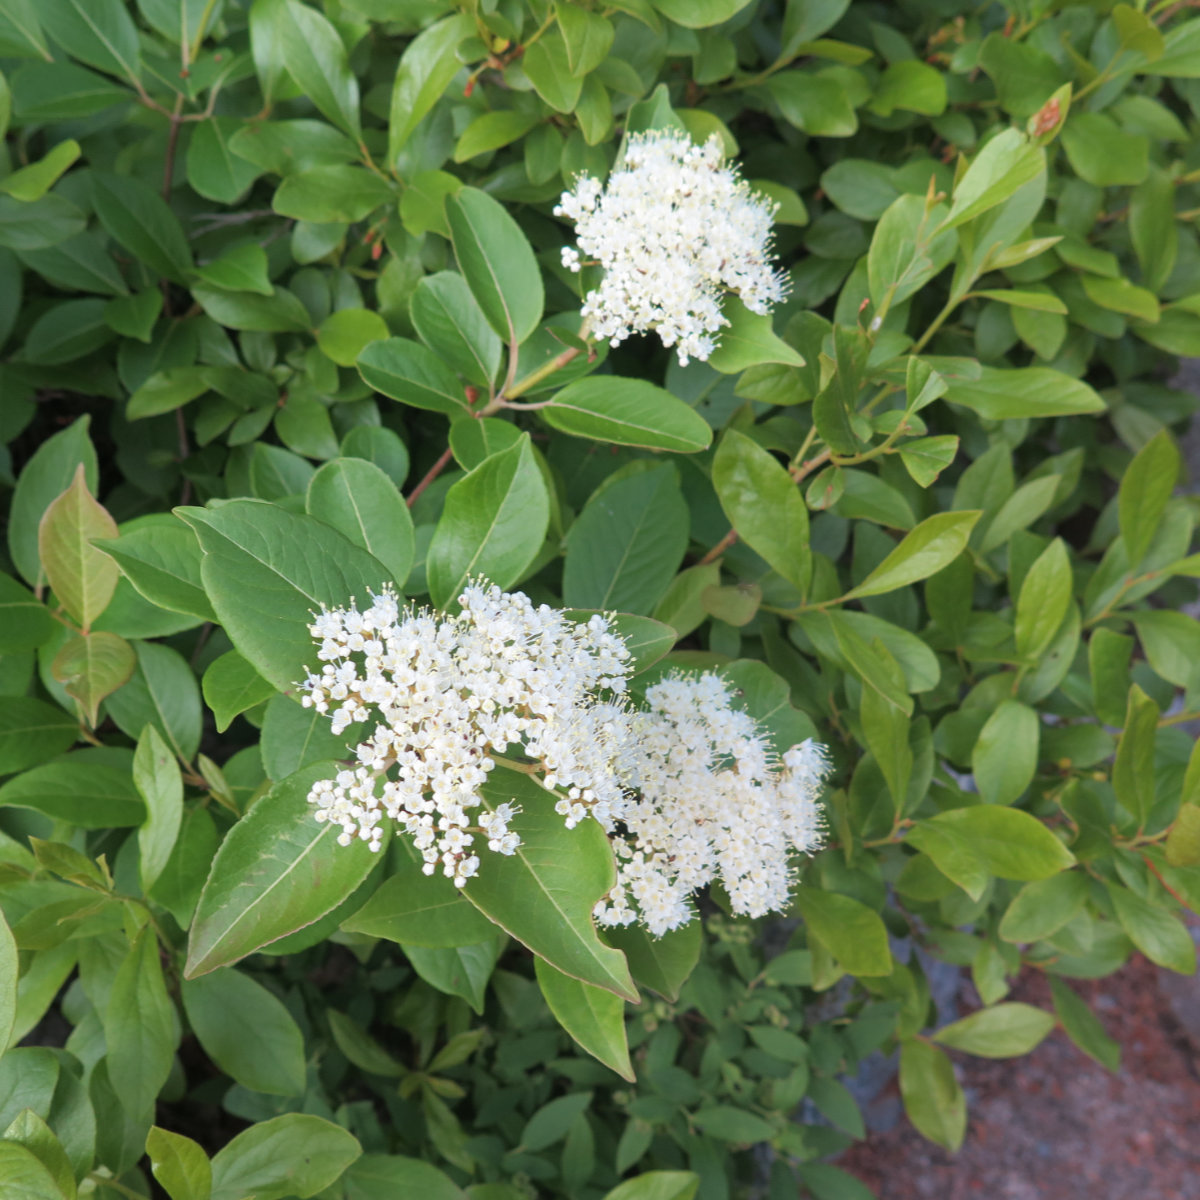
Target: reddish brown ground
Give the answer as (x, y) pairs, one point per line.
(1056, 1126)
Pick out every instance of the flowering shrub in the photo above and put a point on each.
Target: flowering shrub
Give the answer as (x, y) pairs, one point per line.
(841, 422)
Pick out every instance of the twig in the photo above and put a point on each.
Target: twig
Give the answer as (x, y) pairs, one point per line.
(430, 475)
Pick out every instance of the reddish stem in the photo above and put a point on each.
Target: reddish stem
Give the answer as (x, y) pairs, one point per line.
(430, 475)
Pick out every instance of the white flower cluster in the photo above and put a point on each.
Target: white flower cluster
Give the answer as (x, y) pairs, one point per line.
(673, 229)
(688, 789)
(446, 693)
(710, 802)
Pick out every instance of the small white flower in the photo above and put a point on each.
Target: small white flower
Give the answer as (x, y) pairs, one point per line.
(710, 803)
(674, 229)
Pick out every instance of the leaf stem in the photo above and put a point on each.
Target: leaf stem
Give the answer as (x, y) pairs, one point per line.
(430, 475)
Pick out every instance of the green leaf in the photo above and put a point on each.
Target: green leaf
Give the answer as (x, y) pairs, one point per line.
(277, 871)
(34, 181)
(1145, 489)
(30, 1131)
(316, 59)
(91, 667)
(905, 253)
(266, 571)
(1036, 301)
(160, 556)
(23, 1175)
(595, 1018)
(660, 963)
(657, 1185)
(1044, 599)
(1152, 227)
(924, 551)
(386, 1176)
(361, 1048)
(135, 316)
(213, 169)
(139, 219)
(361, 502)
(416, 909)
(1002, 1031)
(1120, 295)
(328, 194)
(344, 335)
(240, 269)
(405, 370)
(926, 458)
(491, 130)
(888, 732)
(1161, 937)
(30, 227)
(9, 970)
(588, 37)
(280, 312)
(46, 475)
(497, 262)
(163, 691)
(1005, 755)
(293, 1155)
(78, 788)
(933, 1099)
(1082, 1026)
(1044, 906)
(549, 70)
(31, 732)
(764, 506)
(543, 895)
(461, 971)
(749, 340)
(492, 526)
(179, 1165)
(231, 686)
(968, 844)
(849, 930)
(1000, 394)
(911, 86)
(158, 781)
(166, 391)
(246, 1031)
(450, 323)
(1183, 842)
(83, 578)
(100, 33)
(425, 70)
(624, 548)
(816, 104)
(1133, 771)
(1102, 153)
(141, 1027)
(1004, 165)
(550, 1123)
(629, 412)
(729, 1124)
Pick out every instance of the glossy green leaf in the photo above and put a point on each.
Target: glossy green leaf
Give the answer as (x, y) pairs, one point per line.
(81, 788)
(1005, 755)
(1083, 1027)
(1145, 489)
(764, 506)
(316, 59)
(657, 1185)
(492, 526)
(1044, 599)
(231, 686)
(141, 1026)
(1159, 935)
(405, 370)
(629, 412)
(295, 1155)
(100, 33)
(451, 323)
(660, 963)
(361, 502)
(277, 871)
(1133, 771)
(461, 971)
(1000, 394)
(595, 1018)
(91, 667)
(933, 1100)
(266, 571)
(179, 1164)
(497, 262)
(158, 781)
(139, 219)
(9, 970)
(1044, 906)
(543, 894)
(161, 557)
(23, 1175)
(425, 70)
(1001, 1031)
(246, 1031)
(624, 548)
(924, 551)
(849, 930)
